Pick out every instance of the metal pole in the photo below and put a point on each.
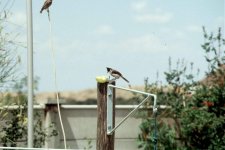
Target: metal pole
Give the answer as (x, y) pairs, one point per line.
(24, 148)
(30, 73)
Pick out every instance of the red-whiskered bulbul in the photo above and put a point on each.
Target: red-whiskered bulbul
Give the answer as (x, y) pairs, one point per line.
(116, 74)
(46, 5)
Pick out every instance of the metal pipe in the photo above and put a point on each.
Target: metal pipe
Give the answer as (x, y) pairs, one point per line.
(41, 106)
(131, 90)
(30, 73)
(136, 91)
(25, 148)
(13, 107)
(127, 116)
(78, 106)
(110, 130)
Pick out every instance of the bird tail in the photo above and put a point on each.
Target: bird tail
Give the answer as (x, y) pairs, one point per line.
(125, 79)
(41, 10)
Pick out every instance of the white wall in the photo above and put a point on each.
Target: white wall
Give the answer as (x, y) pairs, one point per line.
(80, 123)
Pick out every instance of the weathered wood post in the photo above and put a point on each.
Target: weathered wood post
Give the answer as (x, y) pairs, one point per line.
(104, 141)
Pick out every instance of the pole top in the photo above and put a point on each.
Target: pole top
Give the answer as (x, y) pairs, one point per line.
(102, 79)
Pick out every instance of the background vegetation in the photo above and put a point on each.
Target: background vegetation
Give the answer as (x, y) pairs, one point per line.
(196, 117)
(13, 122)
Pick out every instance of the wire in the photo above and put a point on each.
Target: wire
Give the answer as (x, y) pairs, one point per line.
(55, 81)
(155, 131)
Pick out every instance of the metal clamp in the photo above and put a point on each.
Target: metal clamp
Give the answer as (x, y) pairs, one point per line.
(110, 128)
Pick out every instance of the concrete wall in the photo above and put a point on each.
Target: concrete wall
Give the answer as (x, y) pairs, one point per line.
(80, 123)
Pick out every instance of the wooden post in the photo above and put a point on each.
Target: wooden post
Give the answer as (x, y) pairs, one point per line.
(104, 141)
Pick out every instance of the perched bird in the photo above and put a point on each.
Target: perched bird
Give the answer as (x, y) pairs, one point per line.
(116, 74)
(46, 5)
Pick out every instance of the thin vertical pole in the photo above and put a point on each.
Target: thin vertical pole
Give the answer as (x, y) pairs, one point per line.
(104, 141)
(30, 73)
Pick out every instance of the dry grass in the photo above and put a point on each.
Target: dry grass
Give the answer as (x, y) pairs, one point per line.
(83, 95)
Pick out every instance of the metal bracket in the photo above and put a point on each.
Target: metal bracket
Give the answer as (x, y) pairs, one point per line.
(110, 128)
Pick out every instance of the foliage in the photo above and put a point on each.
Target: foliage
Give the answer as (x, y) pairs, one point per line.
(13, 123)
(15, 128)
(89, 144)
(8, 57)
(213, 48)
(196, 119)
(204, 118)
(41, 134)
(8, 66)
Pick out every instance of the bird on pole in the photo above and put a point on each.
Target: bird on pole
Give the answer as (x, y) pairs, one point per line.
(46, 5)
(116, 74)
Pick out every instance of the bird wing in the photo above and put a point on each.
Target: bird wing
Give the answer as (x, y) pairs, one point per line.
(116, 72)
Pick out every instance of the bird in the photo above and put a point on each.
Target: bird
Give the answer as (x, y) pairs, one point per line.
(116, 74)
(46, 5)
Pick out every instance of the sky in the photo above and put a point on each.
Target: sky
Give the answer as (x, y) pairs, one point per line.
(135, 37)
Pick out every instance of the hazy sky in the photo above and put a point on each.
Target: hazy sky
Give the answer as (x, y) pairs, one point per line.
(134, 36)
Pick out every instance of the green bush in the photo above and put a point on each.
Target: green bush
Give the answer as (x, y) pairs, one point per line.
(196, 119)
(14, 125)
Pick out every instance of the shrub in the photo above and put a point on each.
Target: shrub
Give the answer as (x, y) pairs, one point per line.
(196, 119)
